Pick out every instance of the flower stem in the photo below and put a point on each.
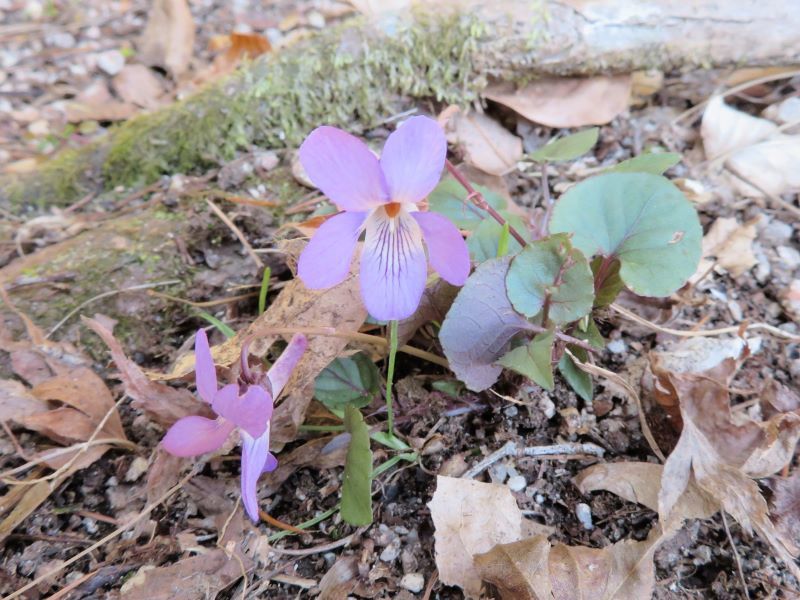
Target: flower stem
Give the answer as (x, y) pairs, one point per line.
(390, 375)
(480, 201)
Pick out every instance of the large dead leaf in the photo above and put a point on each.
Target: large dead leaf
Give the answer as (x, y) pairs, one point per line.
(485, 143)
(162, 403)
(470, 518)
(96, 103)
(722, 455)
(566, 102)
(786, 507)
(136, 84)
(729, 246)
(17, 401)
(168, 38)
(752, 148)
(532, 569)
(640, 482)
(296, 307)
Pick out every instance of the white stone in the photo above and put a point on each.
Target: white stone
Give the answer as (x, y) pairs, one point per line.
(413, 582)
(584, 514)
(616, 346)
(517, 483)
(789, 256)
(111, 62)
(316, 20)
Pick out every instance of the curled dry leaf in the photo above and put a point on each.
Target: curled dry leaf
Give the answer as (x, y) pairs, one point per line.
(168, 38)
(485, 143)
(532, 569)
(17, 401)
(786, 507)
(340, 580)
(470, 517)
(162, 403)
(566, 102)
(728, 245)
(138, 85)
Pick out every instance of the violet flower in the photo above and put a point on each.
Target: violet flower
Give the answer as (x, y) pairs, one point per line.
(380, 197)
(246, 405)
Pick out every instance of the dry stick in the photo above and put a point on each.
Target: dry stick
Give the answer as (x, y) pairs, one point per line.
(237, 232)
(479, 201)
(777, 201)
(61, 451)
(557, 450)
(771, 329)
(628, 389)
(735, 555)
(133, 288)
(204, 304)
(119, 530)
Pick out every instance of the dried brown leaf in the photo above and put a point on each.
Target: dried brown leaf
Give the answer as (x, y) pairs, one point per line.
(16, 401)
(96, 103)
(470, 518)
(486, 144)
(532, 569)
(162, 403)
(136, 84)
(168, 38)
(729, 246)
(567, 102)
(340, 580)
(786, 507)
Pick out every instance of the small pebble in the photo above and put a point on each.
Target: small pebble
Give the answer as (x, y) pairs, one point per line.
(539, 498)
(137, 469)
(391, 552)
(584, 514)
(111, 62)
(517, 483)
(790, 257)
(511, 411)
(413, 582)
(316, 20)
(616, 346)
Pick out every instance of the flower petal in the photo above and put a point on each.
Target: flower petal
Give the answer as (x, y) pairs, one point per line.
(393, 265)
(255, 453)
(326, 259)
(282, 369)
(192, 436)
(413, 159)
(271, 464)
(250, 411)
(447, 250)
(343, 168)
(205, 373)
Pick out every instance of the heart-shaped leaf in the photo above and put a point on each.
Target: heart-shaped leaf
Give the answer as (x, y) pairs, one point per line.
(640, 219)
(551, 268)
(350, 380)
(480, 324)
(484, 242)
(534, 360)
(450, 199)
(567, 148)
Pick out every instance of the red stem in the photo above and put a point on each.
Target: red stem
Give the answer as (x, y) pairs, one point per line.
(480, 201)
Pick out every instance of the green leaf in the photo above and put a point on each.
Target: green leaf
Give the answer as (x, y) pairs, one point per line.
(502, 243)
(357, 486)
(612, 283)
(567, 148)
(223, 328)
(591, 334)
(352, 380)
(578, 380)
(262, 294)
(642, 220)
(484, 243)
(534, 361)
(389, 440)
(449, 199)
(451, 387)
(551, 267)
(652, 162)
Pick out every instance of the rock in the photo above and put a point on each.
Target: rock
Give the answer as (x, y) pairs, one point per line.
(413, 582)
(777, 232)
(316, 20)
(138, 467)
(391, 552)
(111, 62)
(790, 257)
(517, 483)
(616, 346)
(584, 514)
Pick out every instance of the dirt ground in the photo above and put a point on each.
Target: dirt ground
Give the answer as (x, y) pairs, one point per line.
(51, 51)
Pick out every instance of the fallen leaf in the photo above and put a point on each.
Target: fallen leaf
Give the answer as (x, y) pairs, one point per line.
(168, 38)
(240, 46)
(136, 84)
(340, 580)
(728, 246)
(566, 102)
(470, 518)
(96, 103)
(189, 578)
(640, 482)
(778, 398)
(16, 401)
(486, 144)
(772, 165)
(162, 403)
(725, 129)
(532, 569)
(790, 300)
(786, 507)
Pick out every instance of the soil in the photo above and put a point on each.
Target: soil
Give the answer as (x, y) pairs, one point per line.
(456, 430)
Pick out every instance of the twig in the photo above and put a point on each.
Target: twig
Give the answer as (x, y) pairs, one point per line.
(315, 549)
(735, 555)
(204, 304)
(118, 531)
(771, 329)
(431, 582)
(133, 288)
(777, 201)
(237, 232)
(557, 450)
(478, 199)
(61, 451)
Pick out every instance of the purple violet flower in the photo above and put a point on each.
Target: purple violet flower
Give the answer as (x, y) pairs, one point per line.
(246, 405)
(380, 198)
